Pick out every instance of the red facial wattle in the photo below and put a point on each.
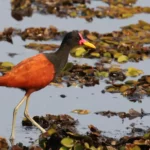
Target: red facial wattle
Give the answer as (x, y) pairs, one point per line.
(86, 43)
(82, 40)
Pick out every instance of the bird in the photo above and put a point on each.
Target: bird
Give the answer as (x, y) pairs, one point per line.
(36, 72)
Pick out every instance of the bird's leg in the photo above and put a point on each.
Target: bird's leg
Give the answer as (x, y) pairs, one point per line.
(12, 137)
(28, 117)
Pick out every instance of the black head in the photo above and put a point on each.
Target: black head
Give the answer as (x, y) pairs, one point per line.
(71, 39)
(60, 57)
(74, 38)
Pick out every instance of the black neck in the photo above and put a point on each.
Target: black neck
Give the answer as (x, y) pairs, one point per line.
(60, 57)
(63, 52)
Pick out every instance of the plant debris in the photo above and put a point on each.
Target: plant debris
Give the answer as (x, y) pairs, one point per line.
(118, 2)
(3, 143)
(76, 8)
(134, 90)
(132, 114)
(42, 33)
(7, 34)
(62, 134)
(81, 111)
(52, 120)
(42, 47)
(5, 67)
(129, 44)
(20, 9)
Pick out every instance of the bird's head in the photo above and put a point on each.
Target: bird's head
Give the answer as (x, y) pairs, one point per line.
(75, 38)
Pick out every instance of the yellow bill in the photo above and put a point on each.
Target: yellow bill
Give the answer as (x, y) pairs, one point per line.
(88, 44)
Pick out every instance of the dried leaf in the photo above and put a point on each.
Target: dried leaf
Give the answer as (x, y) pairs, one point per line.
(81, 111)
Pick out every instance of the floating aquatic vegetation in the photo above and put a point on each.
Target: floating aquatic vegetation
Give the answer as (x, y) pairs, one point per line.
(62, 134)
(118, 2)
(76, 8)
(52, 120)
(5, 67)
(7, 34)
(119, 11)
(81, 111)
(42, 47)
(133, 72)
(21, 8)
(132, 114)
(134, 90)
(3, 143)
(129, 44)
(42, 33)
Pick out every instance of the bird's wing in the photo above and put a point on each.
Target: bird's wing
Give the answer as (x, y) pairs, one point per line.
(34, 72)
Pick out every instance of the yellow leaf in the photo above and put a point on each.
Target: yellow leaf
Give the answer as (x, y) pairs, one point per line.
(124, 88)
(114, 69)
(122, 58)
(91, 37)
(78, 51)
(81, 111)
(95, 54)
(67, 142)
(116, 55)
(133, 72)
(107, 54)
(51, 131)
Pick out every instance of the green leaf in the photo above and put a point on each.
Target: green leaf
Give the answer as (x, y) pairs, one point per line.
(95, 54)
(7, 64)
(100, 148)
(131, 82)
(86, 145)
(127, 15)
(73, 14)
(51, 131)
(91, 37)
(122, 148)
(67, 142)
(107, 54)
(93, 148)
(78, 51)
(101, 74)
(122, 58)
(133, 147)
(116, 55)
(42, 143)
(133, 72)
(146, 135)
(78, 147)
(124, 88)
(64, 148)
(112, 89)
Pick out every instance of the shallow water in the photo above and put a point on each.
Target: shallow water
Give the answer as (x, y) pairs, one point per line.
(48, 100)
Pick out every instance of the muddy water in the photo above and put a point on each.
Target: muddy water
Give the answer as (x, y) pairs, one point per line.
(48, 100)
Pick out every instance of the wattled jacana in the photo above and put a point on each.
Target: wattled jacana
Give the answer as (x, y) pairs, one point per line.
(34, 73)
